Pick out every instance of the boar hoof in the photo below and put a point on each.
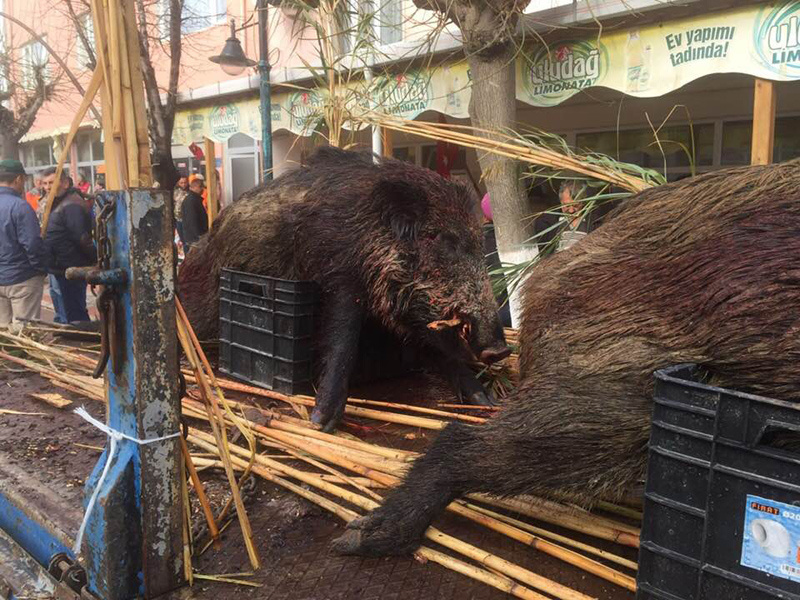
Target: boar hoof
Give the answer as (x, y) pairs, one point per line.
(372, 535)
(327, 417)
(481, 398)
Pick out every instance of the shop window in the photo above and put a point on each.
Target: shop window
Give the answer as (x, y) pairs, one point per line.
(84, 148)
(672, 147)
(390, 21)
(98, 150)
(787, 138)
(737, 141)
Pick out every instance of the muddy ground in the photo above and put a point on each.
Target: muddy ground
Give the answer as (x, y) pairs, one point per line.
(49, 456)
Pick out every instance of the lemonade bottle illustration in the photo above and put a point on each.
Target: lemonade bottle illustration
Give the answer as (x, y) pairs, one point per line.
(645, 72)
(634, 60)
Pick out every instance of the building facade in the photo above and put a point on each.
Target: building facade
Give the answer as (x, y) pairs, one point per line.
(664, 85)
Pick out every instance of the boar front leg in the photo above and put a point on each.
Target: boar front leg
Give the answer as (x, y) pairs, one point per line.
(570, 447)
(342, 318)
(464, 382)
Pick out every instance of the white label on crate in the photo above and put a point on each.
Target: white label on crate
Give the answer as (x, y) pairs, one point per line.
(771, 541)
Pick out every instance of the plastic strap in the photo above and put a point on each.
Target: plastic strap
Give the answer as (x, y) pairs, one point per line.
(115, 437)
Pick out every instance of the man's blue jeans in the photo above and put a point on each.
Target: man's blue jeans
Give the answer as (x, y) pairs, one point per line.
(69, 300)
(55, 296)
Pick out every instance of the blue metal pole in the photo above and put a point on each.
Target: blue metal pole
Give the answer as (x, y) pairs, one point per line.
(134, 537)
(265, 88)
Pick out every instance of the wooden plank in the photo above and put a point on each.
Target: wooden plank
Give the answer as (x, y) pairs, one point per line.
(764, 101)
(137, 95)
(211, 181)
(388, 144)
(56, 400)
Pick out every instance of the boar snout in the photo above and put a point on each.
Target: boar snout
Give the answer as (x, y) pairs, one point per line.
(488, 341)
(493, 355)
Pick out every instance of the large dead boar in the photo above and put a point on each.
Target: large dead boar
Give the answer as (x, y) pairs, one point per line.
(706, 270)
(393, 247)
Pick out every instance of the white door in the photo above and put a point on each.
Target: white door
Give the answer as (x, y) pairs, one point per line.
(241, 172)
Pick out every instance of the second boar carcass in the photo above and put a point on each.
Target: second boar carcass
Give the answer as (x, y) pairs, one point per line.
(705, 271)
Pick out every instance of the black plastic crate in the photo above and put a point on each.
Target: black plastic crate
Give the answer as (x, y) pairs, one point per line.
(266, 330)
(722, 500)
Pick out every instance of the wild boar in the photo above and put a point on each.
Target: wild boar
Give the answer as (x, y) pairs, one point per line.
(705, 270)
(393, 248)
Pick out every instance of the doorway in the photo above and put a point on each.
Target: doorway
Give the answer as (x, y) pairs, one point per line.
(241, 173)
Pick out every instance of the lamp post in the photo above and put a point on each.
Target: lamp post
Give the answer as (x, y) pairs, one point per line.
(233, 61)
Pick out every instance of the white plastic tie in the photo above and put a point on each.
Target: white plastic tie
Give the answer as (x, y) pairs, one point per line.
(115, 437)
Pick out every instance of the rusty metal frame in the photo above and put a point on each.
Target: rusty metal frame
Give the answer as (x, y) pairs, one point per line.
(134, 536)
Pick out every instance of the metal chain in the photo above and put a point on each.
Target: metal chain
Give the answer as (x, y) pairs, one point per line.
(101, 234)
(106, 296)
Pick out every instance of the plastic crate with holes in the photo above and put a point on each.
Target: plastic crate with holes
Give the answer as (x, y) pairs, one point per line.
(266, 331)
(722, 499)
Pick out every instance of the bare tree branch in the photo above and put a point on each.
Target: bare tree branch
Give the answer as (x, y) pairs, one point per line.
(30, 105)
(84, 39)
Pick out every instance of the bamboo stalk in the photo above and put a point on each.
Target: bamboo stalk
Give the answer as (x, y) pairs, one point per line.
(470, 407)
(510, 149)
(623, 511)
(610, 556)
(502, 583)
(145, 175)
(355, 411)
(485, 558)
(91, 92)
(201, 493)
(568, 556)
(188, 572)
(517, 534)
(218, 428)
(583, 524)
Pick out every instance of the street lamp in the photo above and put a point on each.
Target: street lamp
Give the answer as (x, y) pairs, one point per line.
(233, 61)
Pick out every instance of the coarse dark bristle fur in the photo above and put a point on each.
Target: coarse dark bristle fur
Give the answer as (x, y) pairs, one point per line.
(302, 226)
(392, 241)
(705, 270)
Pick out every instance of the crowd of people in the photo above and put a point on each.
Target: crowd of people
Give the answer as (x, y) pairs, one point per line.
(27, 259)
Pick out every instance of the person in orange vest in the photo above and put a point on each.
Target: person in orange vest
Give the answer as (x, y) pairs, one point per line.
(34, 194)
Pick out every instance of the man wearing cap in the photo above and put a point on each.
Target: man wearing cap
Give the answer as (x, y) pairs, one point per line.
(69, 244)
(195, 218)
(23, 261)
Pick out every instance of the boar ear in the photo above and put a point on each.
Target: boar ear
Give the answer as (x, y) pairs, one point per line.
(402, 207)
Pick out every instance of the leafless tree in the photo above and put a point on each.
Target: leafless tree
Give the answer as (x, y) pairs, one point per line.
(488, 30)
(159, 28)
(26, 83)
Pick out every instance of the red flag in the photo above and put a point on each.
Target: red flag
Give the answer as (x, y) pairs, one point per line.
(197, 151)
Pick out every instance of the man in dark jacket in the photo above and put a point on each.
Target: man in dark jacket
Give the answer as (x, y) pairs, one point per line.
(69, 244)
(195, 218)
(23, 261)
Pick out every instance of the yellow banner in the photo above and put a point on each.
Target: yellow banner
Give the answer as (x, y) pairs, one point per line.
(762, 41)
(444, 89)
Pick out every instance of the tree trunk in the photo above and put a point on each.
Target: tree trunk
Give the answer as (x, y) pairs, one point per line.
(493, 107)
(9, 146)
(164, 171)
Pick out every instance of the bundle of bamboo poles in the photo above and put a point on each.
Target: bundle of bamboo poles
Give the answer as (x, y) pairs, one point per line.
(348, 475)
(508, 146)
(118, 79)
